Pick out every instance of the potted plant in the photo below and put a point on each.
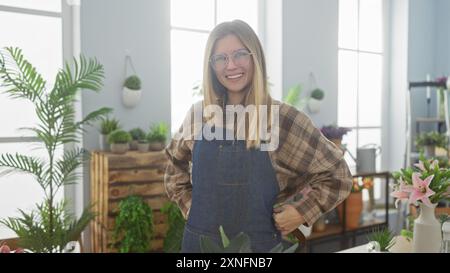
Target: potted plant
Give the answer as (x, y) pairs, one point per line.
(157, 136)
(133, 229)
(49, 227)
(107, 125)
(427, 142)
(143, 145)
(425, 184)
(176, 223)
(381, 240)
(119, 141)
(335, 134)
(131, 93)
(293, 97)
(239, 244)
(315, 101)
(353, 205)
(137, 134)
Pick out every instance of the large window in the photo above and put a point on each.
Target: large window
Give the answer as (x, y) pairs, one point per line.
(35, 27)
(360, 73)
(191, 22)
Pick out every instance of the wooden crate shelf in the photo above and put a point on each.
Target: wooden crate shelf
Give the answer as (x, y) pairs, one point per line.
(113, 178)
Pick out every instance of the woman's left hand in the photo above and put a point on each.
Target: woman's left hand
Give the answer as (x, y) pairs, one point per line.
(287, 218)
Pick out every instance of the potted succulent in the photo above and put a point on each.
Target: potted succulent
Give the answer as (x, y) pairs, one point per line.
(315, 100)
(131, 91)
(137, 134)
(119, 141)
(157, 136)
(106, 127)
(427, 142)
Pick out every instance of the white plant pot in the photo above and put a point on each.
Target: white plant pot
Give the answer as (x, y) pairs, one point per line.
(119, 148)
(104, 146)
(427, 236)
(448, 83)
(72, 247)
(130, 97)
(305, 230)
(156, 146)
(134, 145)
(143, 147)
(314, 105)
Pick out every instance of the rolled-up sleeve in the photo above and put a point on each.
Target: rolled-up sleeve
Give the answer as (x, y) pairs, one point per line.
(177, 178)
(323, 179)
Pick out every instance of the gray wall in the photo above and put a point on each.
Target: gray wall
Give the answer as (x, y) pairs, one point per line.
(310, 37)
(108, 28)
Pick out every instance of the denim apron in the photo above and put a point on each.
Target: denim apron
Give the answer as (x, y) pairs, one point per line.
(234, 188)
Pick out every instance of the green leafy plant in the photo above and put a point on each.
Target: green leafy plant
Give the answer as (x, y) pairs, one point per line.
(293, 97)
(384, 237)
(49, 226)
(239, 244)
(108, 125)
(119, 136)
(176, 222)
(137, 134)
(133, 229)
(133, 83)
(158, 132)
(317, 94)
(431, 139)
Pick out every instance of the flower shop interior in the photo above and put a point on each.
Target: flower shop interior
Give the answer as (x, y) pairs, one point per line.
(92, 91)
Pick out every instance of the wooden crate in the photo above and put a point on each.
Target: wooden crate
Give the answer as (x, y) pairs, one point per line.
(114, 177)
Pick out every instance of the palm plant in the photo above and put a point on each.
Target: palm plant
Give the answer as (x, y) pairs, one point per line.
(49, 227)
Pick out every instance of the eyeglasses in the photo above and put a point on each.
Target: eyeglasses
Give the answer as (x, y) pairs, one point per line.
(240, 57)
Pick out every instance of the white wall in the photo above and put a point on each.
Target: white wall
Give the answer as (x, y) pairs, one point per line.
(310, 35)
(108, 28)
(399, 82)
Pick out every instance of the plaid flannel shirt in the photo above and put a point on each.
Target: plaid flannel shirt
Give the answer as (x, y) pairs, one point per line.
(311, 172)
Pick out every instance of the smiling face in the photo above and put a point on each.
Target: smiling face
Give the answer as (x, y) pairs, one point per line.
(237, 74)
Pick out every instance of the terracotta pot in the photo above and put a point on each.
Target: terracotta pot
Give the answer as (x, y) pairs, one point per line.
(134, 145)
(142, 147)
(354, 206)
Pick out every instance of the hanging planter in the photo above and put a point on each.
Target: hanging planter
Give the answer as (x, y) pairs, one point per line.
(131, 93)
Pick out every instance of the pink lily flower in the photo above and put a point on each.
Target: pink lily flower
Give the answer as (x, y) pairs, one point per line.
(421, 166)
(402, 193)
(420, 190)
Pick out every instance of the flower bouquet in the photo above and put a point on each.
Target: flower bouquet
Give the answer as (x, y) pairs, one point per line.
(425, 184)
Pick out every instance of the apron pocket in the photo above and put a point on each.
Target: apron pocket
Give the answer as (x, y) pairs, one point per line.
(233, 165)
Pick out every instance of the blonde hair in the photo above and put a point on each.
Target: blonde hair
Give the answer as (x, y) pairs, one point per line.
(258, 93)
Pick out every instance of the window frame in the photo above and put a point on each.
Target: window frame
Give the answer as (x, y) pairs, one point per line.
(385, 101)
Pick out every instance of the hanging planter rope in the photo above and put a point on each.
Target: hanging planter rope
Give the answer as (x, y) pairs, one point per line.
(131, 92)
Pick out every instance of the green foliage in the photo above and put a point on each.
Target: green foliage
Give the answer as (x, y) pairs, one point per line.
(133, 82)
(158, 132)
(293, 97)
(109, 125)
(431, 139)
(119, 136)
(317, 94)
(176, 221)
(239, 244)
(49, 226)
(441, 178)
(133, 230)
(384, 237)
(137, 134)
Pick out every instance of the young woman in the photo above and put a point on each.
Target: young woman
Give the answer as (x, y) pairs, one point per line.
(233, 183)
